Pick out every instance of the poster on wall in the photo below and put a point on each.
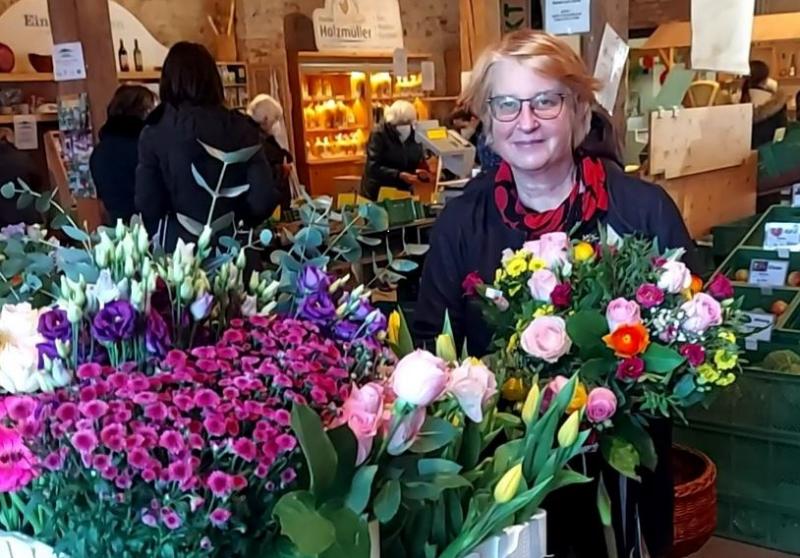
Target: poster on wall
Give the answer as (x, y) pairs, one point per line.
(611, 60)
(25, 28)
(358, 24)
(721, 34)
(68, 63)
(567, 17)
(514, 14)
(75, 128)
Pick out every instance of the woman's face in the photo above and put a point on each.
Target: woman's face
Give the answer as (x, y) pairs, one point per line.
(528, 142)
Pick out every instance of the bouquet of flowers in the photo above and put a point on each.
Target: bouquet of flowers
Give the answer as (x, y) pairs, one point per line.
(645, 337)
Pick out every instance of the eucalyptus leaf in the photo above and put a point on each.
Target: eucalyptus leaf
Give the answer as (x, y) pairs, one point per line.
(361, 488)
(416, 249)
(43, 203)
(222, 223)
(75, 233)
(404, 266)
(230, 243)
(59, 221)
(8, 190)
(201, 181)
(240, 156)
(24, 200)
(390, 277)
(194, 227)
(387, 501)
(370, 241)
(308, 237)
(265, 237)
(234, 191)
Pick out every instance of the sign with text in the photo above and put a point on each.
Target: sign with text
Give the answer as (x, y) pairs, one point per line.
(566, 17)
(68, 63)
(358, 24)
(768, 273)
(759, 326)
(782, 235)
(514, 14)
(611, 60)
(25, 27)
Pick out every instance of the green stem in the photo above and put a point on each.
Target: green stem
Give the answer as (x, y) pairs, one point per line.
(10, 286)
(215, 197)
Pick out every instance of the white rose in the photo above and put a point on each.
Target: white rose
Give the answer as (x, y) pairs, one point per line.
(19, 357)
(675, 277)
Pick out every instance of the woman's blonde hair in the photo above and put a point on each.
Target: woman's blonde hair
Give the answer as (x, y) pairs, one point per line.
(548, 56)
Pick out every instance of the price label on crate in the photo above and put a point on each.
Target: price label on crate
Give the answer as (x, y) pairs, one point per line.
(796, 195)
(759, 327)
(768, 273)
(779, 236)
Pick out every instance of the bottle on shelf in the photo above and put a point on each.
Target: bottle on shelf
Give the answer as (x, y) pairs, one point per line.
(783, 71)
(792, 67)
(124, 66)
(137, 56)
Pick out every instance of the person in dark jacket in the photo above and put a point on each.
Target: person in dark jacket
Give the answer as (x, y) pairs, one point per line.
(114, 159)
(394, 157)
(267, 112)
(557, 173)
(174, 154)
(17, 165)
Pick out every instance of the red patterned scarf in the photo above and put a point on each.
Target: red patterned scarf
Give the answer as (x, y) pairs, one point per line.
(582, 204)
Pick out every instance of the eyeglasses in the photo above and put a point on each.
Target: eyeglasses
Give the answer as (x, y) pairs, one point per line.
(546, 106)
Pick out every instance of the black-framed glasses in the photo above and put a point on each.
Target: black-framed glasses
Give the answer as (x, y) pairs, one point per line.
(546, 105)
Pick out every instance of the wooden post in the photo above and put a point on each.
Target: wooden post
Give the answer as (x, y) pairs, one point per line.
(88, 22)
(615, 13)
(480, 27)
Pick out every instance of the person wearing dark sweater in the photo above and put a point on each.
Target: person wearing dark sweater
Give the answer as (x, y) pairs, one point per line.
(171, 151)
(114, 159)
(559, 172)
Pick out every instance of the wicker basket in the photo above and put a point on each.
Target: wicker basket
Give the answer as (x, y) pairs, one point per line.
(695, 500)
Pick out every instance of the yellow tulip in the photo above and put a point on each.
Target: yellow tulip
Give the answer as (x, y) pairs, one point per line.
(568, 432)
(531, 406)
(508, 485)
(393, 328)
(513, 389)
(579, 399)
(583, 251)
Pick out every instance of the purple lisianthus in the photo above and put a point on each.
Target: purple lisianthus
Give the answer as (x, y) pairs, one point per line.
(318, 308)
(13, 230)
(47, 349)
(115, 322)
(157, 334)
(363, 310)
(313, 280)
(55, 325)
(201, 307)
(346, 330)
(377, 324)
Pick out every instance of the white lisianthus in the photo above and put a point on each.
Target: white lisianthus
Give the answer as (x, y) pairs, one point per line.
(19, 357)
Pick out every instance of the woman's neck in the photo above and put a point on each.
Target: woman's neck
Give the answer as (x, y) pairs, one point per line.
(544, 190)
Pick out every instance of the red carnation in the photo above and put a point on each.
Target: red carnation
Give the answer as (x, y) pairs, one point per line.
(562, 295)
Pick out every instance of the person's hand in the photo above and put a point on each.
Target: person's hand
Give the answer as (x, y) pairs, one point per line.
(423, 175)
(408, 178)
(286, 169)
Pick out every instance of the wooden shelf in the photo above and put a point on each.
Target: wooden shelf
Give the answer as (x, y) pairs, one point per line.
(139, 76)
(234, 85)
(447, 99)
(335, 130)
(22, 78)
(9, 118)
(329, 160)
(343, 98)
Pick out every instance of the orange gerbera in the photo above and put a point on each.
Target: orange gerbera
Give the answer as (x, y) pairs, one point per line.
(627, 341)
(697, 284)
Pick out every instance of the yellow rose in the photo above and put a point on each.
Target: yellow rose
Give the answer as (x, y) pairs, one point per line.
(547, 310)
(536, 264)
(583, 251)
(516, 266)
(707, 374)
(513, 389)
(499, 275)
(579, 399)
(725, 360)
(726, 380)
(393, 328)
(727, 336)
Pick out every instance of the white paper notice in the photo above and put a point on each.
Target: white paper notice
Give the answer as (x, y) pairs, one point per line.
(465, 77)
(565, 17)
(721, 34)
(25, 132)
(611, 60)
(768, 273)
(400, 62)
(428, 75)
(68, 61)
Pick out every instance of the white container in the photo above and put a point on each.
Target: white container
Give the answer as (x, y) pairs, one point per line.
(528, 540)
(14, 545)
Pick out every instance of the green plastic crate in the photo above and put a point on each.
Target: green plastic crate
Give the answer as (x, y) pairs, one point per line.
(401, 211)
(728, 236)
(756, 298)
(742, 256)
(776, 213)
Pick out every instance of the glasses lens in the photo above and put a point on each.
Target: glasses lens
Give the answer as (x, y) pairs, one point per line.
(505, 108)
(547, 105)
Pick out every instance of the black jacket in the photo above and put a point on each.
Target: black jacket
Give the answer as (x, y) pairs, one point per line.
(170, 145)
(113, 165)
(387, 157)
(277, 156)
(470, 236)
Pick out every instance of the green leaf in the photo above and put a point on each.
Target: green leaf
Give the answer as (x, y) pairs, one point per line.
(587, 328)
(387, 502)
(194, 227)
(435, 433)
(661, 360)
(621, 455)
(427, 467)
(234, 191)
(404, 266)
(596, 370)
(308, 237)
(369, 241)
(346, 447)
(8, 190)
(432, 490)
(627, 428)
(361, 488)
(75, 233)
(685, 386)
(311, 533)
(416, 249)
(24, 200)
(265, 237)
(352, 533)
(317, 448)
(44, 201)
(201, 181)
(59, 221)
(222, 223)
(603, 502)
(240, 156)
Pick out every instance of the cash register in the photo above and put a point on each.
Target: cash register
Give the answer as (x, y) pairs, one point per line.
(455, 155)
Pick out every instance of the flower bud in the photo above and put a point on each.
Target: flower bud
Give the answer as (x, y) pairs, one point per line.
(254, 282)
(272, 289)
(63, 348)
(120, 229)
(341, 310)
(205, 239)
(66, 291)
(531, 406)
(241, 259)
(147, 268)
(101, 255)
(357, 292)
(130, 269)
(79, 297)
(268, 308)
(142, 240)
(47, 363)
(568, 432)
(119, 252)
(60, 374)
(74, 313)
(508, 486)
(187, 292)
(137, 294)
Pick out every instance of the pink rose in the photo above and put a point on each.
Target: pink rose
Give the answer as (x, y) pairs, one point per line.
(601, 405)
(553, 248)
(363, 413)
(675, 277)
(702, 312)
(720, 288)
(622, 312)
(407, 431)
(420, 378)
(542, 284)
(546, 338)
(472, 384)
(649, 296)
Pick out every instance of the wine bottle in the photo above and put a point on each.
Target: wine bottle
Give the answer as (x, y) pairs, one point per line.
(137, 56)
(792, 67)
(123, 58)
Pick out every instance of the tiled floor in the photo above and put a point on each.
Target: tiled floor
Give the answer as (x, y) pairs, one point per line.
(723, 548)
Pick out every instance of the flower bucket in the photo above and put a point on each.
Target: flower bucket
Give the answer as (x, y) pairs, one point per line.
(528, 540)
(14, 545)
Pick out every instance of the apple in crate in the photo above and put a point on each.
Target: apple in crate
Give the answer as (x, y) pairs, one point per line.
(778, 307)
(793, 280)
(741, 275)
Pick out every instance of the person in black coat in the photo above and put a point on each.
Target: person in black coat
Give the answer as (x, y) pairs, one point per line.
(114, 159)
(268, 114)
(192, 111)
(394, 157)
(560, 171)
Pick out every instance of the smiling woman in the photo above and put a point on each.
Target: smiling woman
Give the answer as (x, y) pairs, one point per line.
(559, 173)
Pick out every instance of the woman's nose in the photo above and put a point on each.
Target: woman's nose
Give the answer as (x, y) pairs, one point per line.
(527, 121)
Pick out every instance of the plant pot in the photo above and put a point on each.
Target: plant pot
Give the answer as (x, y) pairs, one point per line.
(14, 545)
(528, 540)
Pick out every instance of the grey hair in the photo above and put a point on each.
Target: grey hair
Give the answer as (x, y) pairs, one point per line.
(265, 108)
(400, 112)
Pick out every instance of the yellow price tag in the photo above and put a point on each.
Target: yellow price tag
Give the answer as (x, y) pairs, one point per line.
(437, 133)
